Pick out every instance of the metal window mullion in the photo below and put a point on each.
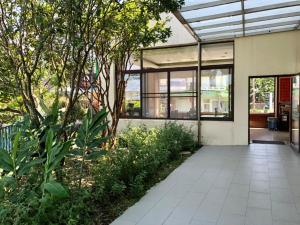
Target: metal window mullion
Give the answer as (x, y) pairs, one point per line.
(168, 94)
(141, 83)
(199, 91)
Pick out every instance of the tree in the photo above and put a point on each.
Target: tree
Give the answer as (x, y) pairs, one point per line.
(49, 48)
(138, 24)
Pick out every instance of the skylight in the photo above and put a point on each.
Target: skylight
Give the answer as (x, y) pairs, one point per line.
(225, 19)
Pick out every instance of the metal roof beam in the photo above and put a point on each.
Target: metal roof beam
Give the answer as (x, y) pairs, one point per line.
(248, 28)
(207, 5)
(253, 20)
(239, 12)
(243, 16)
(230, 37)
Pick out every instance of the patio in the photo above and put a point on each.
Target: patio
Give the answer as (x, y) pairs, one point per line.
(225, 185)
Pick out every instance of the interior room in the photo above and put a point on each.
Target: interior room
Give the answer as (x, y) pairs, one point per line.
(270, 109)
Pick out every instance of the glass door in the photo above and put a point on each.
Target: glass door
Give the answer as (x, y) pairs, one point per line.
(295, 112)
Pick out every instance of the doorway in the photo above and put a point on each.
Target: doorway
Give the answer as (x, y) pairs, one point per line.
(270, 109)
(295, 107)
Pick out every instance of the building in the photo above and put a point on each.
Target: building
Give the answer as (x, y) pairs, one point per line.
(201, 76)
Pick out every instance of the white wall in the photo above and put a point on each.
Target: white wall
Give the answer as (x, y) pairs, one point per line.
(180, 35)
(270, 54)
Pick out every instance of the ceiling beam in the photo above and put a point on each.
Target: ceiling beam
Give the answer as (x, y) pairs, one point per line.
(243, 16)
(253, 20)
(246, 11)
(248, 28)
(207, 5)
(230, 37)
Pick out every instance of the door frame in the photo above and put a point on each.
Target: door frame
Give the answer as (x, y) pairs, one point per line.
(291, 143)
(248, 97)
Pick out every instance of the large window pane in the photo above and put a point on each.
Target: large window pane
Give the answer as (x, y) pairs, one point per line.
(183, 95)
(183, 107)
(216, 87)
(170, 57)
(262, 95)
(217, 54)
(155, 89)
(155, 107)
(132, 99)
(183, 81)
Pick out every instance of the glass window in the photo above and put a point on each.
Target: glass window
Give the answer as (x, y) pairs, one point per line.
(183, 97)
(217, 54)
(132, 99)
(216, 88)
(155, 89)
(170, 57)
(262, 95)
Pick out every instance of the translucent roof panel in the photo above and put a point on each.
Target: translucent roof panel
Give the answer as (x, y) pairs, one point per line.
(210, 11)
(220, 30)
(275, 22)
(217, 22)
(261, 3)
(215, 19)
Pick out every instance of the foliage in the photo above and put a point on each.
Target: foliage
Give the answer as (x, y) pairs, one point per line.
(30, 183)
(90, 138)
(49, 48)
(139, 154)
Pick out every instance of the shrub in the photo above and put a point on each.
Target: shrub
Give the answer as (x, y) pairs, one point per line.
(139, 154)
(175, 138)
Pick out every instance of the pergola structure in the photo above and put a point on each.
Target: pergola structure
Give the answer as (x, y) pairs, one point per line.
(211, 20)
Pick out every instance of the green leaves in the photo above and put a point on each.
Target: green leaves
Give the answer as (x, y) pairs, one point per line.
(55, 189)
(89, 133)
(90, 138)
(55, 151)
(5, 160)
(19, 161)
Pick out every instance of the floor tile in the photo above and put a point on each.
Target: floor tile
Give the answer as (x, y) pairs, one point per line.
(231, 219)
(235, 205)
(285, 212)
(259, 200)
(256, 216)
(225, 185)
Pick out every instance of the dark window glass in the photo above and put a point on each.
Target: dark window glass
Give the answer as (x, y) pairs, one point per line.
(216, 93)
(155, 89)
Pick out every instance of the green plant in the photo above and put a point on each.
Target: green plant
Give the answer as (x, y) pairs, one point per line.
(174, 138)
(90, 139)
(55, 151)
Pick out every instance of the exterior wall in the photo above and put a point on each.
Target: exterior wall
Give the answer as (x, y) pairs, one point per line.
(270, 54)
(180, 35)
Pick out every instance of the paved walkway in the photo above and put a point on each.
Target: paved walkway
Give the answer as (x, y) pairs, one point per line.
(241, 185)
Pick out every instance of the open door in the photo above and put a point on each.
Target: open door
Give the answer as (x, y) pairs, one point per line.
(295, 121)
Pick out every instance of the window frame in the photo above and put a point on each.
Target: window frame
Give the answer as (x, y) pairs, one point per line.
(198, 70)
(168, 71)
(231, 101)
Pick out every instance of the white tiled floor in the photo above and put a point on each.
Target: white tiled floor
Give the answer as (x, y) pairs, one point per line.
(225, 185)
